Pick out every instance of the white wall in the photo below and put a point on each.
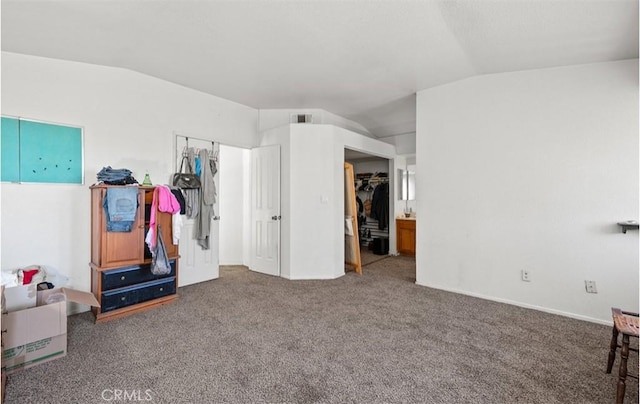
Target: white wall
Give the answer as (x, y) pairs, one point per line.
(246, 209)
(233, 167)
(274, 118)
(404, 143)
(379, 165)
(128, 121)
(532, 170)
(313, 203)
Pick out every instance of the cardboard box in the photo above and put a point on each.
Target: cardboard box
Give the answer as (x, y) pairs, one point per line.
(38, 334)
(20, 297)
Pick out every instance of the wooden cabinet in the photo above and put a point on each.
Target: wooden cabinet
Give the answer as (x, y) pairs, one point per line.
(121, 277)
(406, 236)
(113, 249)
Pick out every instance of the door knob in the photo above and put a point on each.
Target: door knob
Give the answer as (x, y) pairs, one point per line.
(274, 217)
(216, 218)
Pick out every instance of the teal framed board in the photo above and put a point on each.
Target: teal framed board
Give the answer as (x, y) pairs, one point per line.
(9, 138)
(41, 152)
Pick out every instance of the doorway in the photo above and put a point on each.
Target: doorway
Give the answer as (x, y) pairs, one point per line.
(233, 231)
(374, 202)
(196, 263)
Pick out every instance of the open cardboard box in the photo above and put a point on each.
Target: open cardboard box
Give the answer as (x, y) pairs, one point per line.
(37, 334)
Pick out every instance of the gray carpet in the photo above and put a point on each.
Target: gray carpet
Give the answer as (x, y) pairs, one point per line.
(376, 338)
(367, 257)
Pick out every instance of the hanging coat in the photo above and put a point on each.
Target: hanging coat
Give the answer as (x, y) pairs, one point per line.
(207, 199)
(380, 205)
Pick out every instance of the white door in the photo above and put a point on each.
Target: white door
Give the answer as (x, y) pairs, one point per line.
(196, 264)
(265, 210)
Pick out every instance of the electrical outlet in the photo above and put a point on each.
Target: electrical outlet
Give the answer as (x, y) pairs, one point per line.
(526, 275)
(590, 286)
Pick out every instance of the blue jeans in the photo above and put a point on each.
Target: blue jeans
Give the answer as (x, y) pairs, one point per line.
(110, 174)
(120, 206)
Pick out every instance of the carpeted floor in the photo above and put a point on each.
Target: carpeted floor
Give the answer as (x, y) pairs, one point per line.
(375, 338)
(367, 257)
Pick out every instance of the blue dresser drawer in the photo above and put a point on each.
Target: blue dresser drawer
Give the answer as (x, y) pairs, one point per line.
(123, 297)
(121, 277)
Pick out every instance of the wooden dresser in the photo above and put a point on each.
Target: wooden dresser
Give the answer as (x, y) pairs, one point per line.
(406, 236)
(121, 279)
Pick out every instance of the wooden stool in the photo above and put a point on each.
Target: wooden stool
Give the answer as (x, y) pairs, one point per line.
(626, 323)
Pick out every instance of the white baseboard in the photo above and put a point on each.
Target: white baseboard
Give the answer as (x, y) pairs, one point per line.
(324, 278)
(521, 304)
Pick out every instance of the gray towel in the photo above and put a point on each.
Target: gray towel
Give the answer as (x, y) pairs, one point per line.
(192, 202)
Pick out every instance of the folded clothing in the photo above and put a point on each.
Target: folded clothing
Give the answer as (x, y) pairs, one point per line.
(111, 176)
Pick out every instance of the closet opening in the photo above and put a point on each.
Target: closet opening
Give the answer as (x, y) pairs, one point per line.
(374, 205)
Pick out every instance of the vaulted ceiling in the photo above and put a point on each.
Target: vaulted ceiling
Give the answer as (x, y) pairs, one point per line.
(363, 60)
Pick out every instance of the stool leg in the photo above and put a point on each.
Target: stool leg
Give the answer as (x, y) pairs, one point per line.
(622, 375)
(613, 345)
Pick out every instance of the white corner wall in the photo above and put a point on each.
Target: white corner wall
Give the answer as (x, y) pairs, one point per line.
(404, 143)
(314, 205)
(128, 121)
(532, 170)
(312, 195)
